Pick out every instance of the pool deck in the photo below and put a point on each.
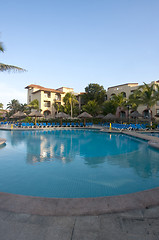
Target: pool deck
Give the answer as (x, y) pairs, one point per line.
(2, 141)
(129, 216)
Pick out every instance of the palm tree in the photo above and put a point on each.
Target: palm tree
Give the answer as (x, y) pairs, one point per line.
(148, 97)
(5, 67)
(34, 104)
(13, 106)
(119, 99)
(92, 107)
(157, 92)
(1, 105)
(70, 102)
(134, 99)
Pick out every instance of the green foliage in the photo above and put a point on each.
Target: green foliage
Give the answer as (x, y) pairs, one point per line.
(157, 92)
(91, 107)
(1, 105)
(109, 107)
(15, 106)
(56, 106)
(135, 99)
(70, 102)
(28, 120)
(147, 96)
(120, 100)
(1, 47)
(34, 104)
(95, 92)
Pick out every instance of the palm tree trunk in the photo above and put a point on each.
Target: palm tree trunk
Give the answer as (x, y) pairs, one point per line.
(150, 117)
(71, 108)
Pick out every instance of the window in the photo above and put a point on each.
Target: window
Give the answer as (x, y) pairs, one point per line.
(58, 97)
(29, 98)
(47, 94)
(46, 104)
(157, 103)
(157, 112)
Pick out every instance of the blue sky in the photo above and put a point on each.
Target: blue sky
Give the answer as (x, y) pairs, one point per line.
(73, 43)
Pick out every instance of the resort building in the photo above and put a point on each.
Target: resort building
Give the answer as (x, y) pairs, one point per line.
(47, 97)
(128, 89)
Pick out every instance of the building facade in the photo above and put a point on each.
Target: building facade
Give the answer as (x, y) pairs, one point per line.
(128, 89)
(47, 97)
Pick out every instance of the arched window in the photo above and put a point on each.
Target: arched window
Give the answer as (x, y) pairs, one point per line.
(47, 112)
(111, 96)
(124, 94)
(122, 114)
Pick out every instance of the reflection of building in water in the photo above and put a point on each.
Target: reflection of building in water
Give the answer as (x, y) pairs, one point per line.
(49, 146)
(65, 145)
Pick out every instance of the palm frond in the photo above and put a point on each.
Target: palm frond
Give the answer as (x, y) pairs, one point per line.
(1, 47)
(5, 67)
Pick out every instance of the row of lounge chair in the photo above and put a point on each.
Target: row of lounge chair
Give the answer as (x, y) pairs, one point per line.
(118, 126)
(50, 125)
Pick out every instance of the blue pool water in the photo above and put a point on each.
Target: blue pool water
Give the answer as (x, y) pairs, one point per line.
(76, 163)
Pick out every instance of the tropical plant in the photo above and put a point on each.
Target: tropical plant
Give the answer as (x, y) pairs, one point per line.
(5, 67)
(13, 106)
(95, 92)
(109, 107)
(92, 107)
(34, 104)
(119, 100)
(135, 99)
(148, 97)
(70, 102)
(157, 92)
(56, 106)
(1, 105)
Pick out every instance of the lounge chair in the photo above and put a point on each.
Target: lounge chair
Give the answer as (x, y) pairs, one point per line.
(72, 124)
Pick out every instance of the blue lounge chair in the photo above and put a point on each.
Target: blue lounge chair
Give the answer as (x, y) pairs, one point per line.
(44, 124)
(53, 124)
(63, 124)
(72, 124)
(81, 124)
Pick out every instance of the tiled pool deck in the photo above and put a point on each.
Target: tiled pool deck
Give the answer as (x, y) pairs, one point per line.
(130, 216)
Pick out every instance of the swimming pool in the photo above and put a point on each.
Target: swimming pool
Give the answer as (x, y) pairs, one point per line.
(76, 163)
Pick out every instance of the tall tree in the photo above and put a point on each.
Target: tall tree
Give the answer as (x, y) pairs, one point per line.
(5, 67)
(135, 99)
(92, 107)
(120, 100)
(1, 105)
(13, 106)
(95, 92)
(148, 97)
(109, 107)
(70, 103)
(34, 104)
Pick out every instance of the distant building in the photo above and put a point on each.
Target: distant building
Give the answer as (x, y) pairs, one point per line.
(47, 97)
(128, 89)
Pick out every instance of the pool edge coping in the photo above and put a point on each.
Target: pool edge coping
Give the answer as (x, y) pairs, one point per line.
(78, 206)
(2, 141)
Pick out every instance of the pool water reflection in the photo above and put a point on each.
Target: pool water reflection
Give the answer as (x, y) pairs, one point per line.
(76, 163)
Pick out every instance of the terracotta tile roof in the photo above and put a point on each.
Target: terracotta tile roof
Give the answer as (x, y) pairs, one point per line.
(40, 88)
